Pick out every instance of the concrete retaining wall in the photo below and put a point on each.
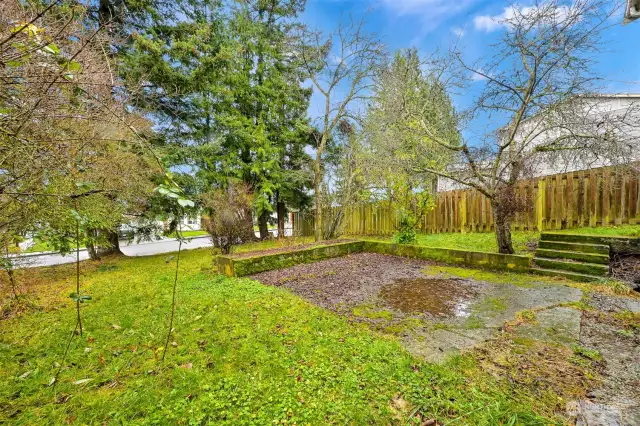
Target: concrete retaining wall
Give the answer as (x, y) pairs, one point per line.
(470, 258)
(240, 267)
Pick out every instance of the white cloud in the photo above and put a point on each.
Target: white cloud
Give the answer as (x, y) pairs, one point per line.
(490, 23)
(477, 77)
(459, 32)
(432, 12)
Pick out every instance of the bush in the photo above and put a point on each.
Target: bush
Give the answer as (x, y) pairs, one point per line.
(406, 233)
(230, 222)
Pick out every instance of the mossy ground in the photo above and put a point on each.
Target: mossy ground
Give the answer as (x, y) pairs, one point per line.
(241, 353)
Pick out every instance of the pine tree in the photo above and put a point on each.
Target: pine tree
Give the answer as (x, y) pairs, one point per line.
(227, 95)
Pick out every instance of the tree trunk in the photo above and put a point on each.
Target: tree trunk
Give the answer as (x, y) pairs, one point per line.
(91, 248)
(281, 217)
(317, 226)
(96, 251)
(502, 221)
(248, 232)
(114, 243)
(93, 253)
(263, 225)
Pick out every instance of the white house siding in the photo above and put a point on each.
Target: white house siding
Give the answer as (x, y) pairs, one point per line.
(569, 161)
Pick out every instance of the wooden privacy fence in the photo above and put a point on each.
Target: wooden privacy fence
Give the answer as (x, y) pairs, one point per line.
(586, 198)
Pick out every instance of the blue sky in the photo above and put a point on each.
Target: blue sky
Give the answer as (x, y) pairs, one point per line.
(429, 24)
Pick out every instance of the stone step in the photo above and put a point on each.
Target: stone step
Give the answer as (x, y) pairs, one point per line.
(580, 267)
(573, 255)
(584, 248)
(573, 238)
(566, 274)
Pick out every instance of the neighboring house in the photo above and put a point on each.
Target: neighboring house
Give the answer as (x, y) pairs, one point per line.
(188, 223)
(632, 11)
(602, 110)
(191, 223)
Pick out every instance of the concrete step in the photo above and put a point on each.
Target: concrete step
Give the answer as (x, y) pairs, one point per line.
(584, 248)
(573, 255)
(566, 274)
(579, 267)
(573, 238)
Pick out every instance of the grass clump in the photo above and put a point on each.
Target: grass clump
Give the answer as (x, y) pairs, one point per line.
(373, 313)
(591, 354)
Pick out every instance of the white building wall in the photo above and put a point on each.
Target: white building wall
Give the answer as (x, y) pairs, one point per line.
(568, 161)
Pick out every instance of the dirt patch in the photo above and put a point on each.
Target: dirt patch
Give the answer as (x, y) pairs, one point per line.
(286, 249)
(344, 282)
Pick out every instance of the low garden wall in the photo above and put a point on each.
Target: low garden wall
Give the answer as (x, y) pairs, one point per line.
(452, 256)
(242, 266)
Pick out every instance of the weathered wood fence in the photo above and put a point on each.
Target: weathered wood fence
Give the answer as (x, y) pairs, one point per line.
(587, 198)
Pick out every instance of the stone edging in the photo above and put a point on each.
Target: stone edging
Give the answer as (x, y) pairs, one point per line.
(255, 264)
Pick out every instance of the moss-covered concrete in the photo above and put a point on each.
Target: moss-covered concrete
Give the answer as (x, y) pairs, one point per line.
(240, 267)
(582, 268)
(590, 239)
(573, 255)
(580, 247)
(479, 259)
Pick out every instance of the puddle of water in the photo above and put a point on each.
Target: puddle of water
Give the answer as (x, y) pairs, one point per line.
(438, 297)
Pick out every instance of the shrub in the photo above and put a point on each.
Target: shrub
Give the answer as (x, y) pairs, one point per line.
(230, 222)
(406, 230)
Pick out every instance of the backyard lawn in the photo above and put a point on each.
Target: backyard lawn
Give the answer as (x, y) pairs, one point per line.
(523, 241)
(241, 353)
(611, 231)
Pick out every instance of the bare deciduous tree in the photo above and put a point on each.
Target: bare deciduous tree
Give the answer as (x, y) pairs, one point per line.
(228, 209)
(340, 65)
(539, 99)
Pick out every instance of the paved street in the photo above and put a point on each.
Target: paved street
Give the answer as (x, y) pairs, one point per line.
(144, 248)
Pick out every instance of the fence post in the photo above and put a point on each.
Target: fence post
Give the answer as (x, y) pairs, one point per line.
(463, 212)
(541, 204)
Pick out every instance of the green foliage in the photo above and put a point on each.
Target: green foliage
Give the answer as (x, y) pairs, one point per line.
(406, 233)
(229, 221)
(232, 103)
(70, 159)
(406, 99)
(411, 205)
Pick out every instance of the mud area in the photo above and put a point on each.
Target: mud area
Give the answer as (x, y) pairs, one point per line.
(438, 297)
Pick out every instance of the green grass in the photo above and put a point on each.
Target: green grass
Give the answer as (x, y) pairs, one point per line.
(610, 231)
(485, 241)
(187, 234)
(44, 246)
(243, 353)
(40, 246)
